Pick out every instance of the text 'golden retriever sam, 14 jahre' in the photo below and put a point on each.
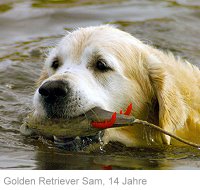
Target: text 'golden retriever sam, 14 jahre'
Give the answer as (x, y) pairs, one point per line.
(106, 67)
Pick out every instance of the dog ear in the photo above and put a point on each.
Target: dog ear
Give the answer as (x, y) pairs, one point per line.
(172, 109)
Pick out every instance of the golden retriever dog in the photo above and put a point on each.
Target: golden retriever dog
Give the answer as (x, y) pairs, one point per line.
(106, 67)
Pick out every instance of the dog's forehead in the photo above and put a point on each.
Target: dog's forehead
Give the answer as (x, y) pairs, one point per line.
(73, 45)
(120, 49)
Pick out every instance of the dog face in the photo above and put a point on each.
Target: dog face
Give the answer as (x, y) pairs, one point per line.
(94, 66)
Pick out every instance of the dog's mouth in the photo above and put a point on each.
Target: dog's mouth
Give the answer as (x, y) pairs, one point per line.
(78, 143)
(78, 133)
(75, 143)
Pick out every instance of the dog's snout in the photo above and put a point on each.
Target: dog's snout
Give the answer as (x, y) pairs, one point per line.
(54, 89)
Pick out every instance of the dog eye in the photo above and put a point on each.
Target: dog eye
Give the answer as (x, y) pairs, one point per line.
(55, 64)
(102, 66)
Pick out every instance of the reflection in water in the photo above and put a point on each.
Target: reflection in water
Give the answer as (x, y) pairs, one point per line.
(119, 157)
(39, 24)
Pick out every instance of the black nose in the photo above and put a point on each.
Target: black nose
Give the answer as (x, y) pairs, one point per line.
(54, 89)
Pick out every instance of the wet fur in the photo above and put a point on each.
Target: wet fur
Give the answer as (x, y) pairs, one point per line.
(163, 89)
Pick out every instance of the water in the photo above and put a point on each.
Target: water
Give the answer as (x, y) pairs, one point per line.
(29, 28)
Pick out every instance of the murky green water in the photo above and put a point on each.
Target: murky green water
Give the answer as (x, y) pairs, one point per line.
(29, 28)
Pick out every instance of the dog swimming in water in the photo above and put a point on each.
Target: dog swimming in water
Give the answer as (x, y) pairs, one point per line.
(102, 66)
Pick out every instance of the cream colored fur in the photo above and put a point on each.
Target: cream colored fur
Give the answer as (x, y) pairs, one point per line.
(163, 89)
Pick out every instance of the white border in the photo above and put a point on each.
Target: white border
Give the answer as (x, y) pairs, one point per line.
(155, 179)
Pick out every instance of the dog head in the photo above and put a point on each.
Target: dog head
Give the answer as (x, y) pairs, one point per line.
(108, 68)
(94, 66)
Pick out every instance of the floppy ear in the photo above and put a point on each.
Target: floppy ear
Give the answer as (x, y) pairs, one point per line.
(172, 109)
